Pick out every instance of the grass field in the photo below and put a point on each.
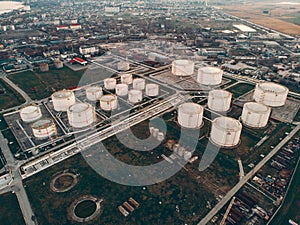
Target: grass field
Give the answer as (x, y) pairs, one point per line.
(51, 208)
(240, 89)
(41, 85)
(10, 98)
(10, 213)
(291, 205)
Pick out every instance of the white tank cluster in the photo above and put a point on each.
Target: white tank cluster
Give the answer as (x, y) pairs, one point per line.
(108, 102)
(209, 76)
(126, 78)
(135, 96)
(190, 115)
(255, 115)
(93, 93)
(30, 113)
(121, 89)
(152, 90)
(183, 67)
(219, 100)
(139, 84)
(225, 132)
(123, 66)
(81, 115)
(62, 100)
(43, 129)
(110, 83)
(156, 133)
(270, 94)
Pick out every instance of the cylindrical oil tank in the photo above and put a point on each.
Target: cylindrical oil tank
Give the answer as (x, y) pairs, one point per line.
(255, 115)
(108, 102)
(183, 67)
(30, 113)
(270, 94)
(219, 100)
(43, 129)
(155, 132)
(187, 155)
(121, 89)
(181, 151)
(152, 90)
(139, 84)
(81, 115)
(110, 83)
(126, 78)
(135, 96)
(93, 93)
(190, 115)
(209, 76)
(226, 131)
(123, 66)
(160, 136)
(62, 100)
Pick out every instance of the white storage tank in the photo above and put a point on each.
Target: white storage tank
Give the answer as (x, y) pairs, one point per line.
(126, 78)
(190, 115)
(110, 83)
(270, 94)
(183, 67)
(43, 129)
(155, 132)
(108, 102)
(226, 132)
(121, 89)
(62, 100)
(209, 76)
(135, 96)
(255, 115)
(139, 84)
(160, 136)
(30, 113)
(187, 155)
(123, 66)
(93, 93)
(152, 90)
(81, 115)
(219, 100)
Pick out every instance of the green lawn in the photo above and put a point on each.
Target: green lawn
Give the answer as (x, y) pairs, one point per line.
(291, 205)
(10, 213)
(240, 89)
(40, 85)
(10, 98)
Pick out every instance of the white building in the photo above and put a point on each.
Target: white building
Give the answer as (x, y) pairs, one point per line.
(84, 50)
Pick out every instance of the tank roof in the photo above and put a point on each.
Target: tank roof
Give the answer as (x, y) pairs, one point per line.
(63, 94)
(182, 61)
(44, 123)
(256, 107)
(108, 98)
(272, 87)
(29, 109)
(79, 107)
(93, 88)
(191, 108)
(220, 93)
(227, 123)
(210, 69)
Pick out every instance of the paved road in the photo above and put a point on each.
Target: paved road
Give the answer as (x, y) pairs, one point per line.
(17, 185)
(19, 90)
(245, 179)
